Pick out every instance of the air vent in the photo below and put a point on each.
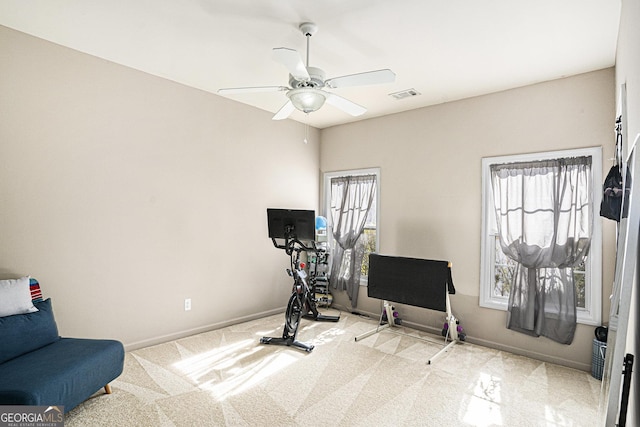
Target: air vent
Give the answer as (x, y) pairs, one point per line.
(405, 94)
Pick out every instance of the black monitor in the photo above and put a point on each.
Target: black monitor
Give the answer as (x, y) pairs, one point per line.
(413, 281)
(292, 224)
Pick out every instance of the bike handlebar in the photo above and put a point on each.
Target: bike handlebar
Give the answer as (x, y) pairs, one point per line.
(290, 246)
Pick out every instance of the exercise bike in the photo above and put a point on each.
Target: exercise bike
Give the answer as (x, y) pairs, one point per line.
(302, 302)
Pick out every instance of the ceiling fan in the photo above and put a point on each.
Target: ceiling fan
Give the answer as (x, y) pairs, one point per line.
(305, 90)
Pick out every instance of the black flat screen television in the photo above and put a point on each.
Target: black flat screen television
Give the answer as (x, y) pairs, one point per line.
(291, 224)
(413, 281)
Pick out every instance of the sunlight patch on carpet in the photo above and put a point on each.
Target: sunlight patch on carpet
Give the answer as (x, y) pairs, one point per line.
(217, 359)
(234, 368)
(245, 378)
(483, 408)
(327, 336)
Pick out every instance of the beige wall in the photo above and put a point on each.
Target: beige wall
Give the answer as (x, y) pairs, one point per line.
(430, 193)
(628, 72)
(125, 193)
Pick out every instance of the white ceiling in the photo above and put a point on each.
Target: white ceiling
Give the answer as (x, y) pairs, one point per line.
(446, 50)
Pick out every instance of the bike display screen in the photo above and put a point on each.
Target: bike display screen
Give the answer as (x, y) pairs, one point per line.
(291, 224)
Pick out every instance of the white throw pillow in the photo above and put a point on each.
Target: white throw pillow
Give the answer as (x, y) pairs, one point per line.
(15, 297)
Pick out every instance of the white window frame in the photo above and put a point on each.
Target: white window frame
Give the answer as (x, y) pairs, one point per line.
(592, 313)
(327, 177)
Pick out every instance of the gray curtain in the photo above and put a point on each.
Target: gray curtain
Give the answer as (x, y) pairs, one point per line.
(544, 212)
(351, 199)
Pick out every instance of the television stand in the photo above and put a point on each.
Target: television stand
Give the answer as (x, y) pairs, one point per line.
(452, 332)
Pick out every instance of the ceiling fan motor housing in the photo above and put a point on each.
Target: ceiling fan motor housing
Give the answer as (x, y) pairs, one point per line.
(316, 79)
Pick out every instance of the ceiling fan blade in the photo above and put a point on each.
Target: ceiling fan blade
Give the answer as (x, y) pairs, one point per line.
(345, 105)
(232, 90)
(291, 59)
(285, 111)
(360, 79)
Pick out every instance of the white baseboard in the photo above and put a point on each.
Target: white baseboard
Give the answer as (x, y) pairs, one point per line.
(213, 326)
(532, 354)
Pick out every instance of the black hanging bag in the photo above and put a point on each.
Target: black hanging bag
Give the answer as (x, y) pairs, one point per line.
(611, 205)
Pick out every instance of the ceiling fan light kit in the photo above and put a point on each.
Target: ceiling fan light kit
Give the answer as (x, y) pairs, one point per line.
(307, 100)
(305, 92)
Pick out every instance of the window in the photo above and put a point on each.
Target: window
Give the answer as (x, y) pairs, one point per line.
(370, 235)
(497, 269)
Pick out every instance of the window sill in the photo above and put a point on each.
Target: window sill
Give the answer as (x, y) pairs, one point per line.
(584, 317)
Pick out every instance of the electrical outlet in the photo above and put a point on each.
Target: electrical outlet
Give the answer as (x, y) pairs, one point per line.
(187, 304)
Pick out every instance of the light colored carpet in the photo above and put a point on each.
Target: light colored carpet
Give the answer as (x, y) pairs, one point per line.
(226, 377)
